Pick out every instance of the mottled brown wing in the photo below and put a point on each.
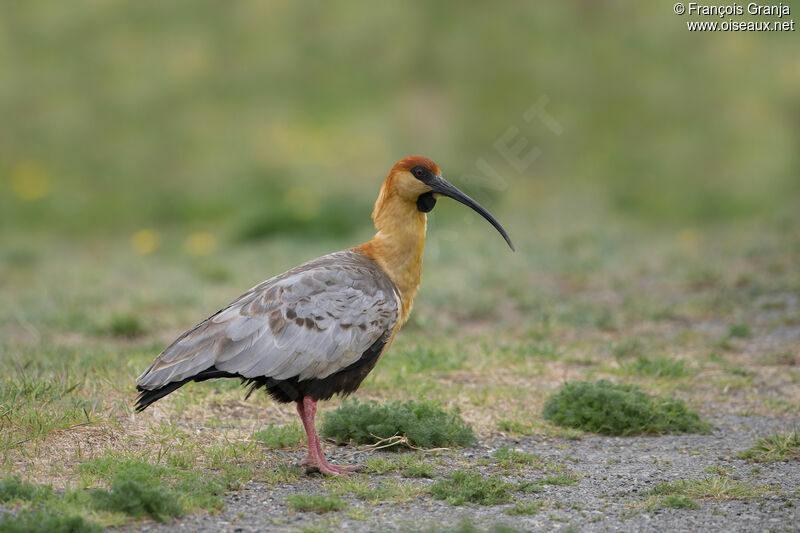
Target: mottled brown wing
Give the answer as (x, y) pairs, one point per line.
(307, 323)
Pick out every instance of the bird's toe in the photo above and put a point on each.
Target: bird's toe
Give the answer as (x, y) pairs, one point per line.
(327, 469)
(346, 468)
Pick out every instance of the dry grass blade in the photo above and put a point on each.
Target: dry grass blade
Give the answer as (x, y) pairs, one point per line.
(388, 442)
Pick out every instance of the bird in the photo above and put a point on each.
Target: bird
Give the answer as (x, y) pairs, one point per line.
(318, 329)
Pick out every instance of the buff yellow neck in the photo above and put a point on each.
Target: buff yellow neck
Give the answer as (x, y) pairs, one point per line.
(399, 243)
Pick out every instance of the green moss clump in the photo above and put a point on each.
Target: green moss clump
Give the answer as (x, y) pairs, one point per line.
(609, 409)
(49, 521)
(471, 487)
(424, 424)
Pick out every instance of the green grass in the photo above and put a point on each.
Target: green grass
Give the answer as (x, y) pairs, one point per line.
(285, 436)
(13, 488)
(390, 490)
(317, 503)
(467, 527)
(672, 501)
(739, 330)
(720, 471)
(718, 489)
(530, 487)
(335, 217)
(657, 367)
(525, 425)
(420, 470)
(40, 404)
(158, 490)
(125, 325)
(424, 424)
(408, 464)
(525, 509)
(49, 521)
(138, 498)
(780, 446)
(609, 409)
(420, 360)
(165, 159)
(508, 457)
(562, 480)
(39, 508)
(462, 487)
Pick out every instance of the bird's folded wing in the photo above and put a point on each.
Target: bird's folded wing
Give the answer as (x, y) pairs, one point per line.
(307, 323)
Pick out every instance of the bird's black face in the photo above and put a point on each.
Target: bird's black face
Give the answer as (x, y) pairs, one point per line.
(440, 186)
(423, 174)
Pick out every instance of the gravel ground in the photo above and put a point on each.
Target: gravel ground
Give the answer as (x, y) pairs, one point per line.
(614, 474)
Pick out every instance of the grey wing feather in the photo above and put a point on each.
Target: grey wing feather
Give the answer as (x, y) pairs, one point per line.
(309, 322)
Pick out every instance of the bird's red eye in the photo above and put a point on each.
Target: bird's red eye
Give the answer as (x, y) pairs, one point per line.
(418, 172)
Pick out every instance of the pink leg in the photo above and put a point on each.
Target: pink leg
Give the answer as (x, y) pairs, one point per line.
(315, 459)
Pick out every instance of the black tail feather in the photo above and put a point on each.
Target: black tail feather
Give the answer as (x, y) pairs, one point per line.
(344, 382)
(146, 397)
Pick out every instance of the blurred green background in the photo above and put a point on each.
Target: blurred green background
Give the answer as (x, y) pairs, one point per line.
(225, 122)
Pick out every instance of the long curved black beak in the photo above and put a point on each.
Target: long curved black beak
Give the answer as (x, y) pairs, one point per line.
(445, 188)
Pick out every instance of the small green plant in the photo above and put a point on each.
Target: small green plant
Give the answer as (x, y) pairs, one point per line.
(657, 367)
(525, 509)
(508, 457)
(419, 469)
(777, 447)
(530, 487)
(380, 465)
(410, 464)
(627, 348)
(285, 436)
(717, 488)
(560, 480)
(390, 490)
(423, 424)
(532, 427)
(471, 487)
(469, 527)
(137, 497)
(718, 470)
(125, 325)
(609, 409)
(13, 488)
(515, 427)
(318, 503)
(739, 330)
(192, 488)
(49, 521)
(671, 501)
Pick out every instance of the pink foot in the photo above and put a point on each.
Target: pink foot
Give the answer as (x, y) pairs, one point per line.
(346, 468)
(324, 467)
(315, 461)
